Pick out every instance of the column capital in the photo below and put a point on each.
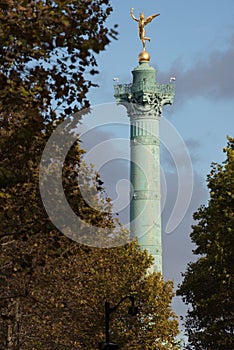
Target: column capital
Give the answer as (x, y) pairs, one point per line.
(143, 98)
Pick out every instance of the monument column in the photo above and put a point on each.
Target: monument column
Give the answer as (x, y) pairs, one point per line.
(144, 99)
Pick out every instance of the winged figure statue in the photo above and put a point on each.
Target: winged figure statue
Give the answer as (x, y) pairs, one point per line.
(142, 22)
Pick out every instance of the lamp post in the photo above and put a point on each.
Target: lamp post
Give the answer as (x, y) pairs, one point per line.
(132, 310)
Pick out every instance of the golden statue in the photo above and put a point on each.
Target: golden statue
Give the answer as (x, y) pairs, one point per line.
(141, 25)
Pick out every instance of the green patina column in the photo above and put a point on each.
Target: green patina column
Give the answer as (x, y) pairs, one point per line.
(144, 99)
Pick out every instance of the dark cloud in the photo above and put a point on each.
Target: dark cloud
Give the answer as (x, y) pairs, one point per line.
(168, 163)
(177, 246)
(211, 77)
(112, 171)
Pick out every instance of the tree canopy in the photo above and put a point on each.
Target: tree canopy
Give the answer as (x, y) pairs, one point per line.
(208, 282)
(53, 289)
(48, 53)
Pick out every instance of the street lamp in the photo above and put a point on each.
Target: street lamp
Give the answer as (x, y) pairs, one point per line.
(132, 310)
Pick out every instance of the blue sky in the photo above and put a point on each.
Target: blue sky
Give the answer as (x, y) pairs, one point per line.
(193, 41)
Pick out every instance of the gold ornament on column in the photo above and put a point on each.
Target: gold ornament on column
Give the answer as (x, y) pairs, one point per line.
(142, 22)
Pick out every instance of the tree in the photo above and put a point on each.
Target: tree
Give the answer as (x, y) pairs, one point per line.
(48, 51)
(52, 288)
(208, 282)
(65, 305)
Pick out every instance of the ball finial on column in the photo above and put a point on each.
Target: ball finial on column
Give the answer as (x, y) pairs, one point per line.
(144, 56)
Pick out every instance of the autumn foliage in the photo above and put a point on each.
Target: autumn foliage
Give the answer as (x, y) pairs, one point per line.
(53, 289)
(208, 283)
